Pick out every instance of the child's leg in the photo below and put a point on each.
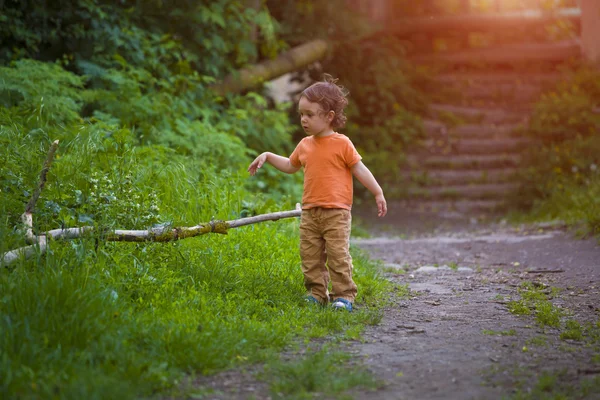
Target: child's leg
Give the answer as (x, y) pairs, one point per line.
(312, 253)
(336, 233)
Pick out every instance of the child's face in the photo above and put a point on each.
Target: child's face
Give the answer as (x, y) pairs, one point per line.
(313, 119)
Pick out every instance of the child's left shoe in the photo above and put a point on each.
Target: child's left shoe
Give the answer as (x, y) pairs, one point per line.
(342, 304)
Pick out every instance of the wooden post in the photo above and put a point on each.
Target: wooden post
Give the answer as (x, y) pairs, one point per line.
(590, 30)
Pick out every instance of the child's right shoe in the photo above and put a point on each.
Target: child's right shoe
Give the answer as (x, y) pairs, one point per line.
(342, 304)
(312, 300)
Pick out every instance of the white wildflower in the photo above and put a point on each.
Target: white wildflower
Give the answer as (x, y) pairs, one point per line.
(593, 167)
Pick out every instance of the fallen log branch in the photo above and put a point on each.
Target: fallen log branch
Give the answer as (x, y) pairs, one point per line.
(163, 234)
(26, 252)
(289, 61)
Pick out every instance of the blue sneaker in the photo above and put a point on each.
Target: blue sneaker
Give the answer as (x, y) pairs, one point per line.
(312, 300)
(342, 304)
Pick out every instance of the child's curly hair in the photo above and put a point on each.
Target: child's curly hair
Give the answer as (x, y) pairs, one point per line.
(330, 97)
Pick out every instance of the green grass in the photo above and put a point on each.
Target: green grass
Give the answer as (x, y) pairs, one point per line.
(540, 341)
(535, 300)
(574, 204)
(319, 373)
(94, 319)
(510, 332)
(573, 331)
(547, 314)
(518, 308)
(555, 386)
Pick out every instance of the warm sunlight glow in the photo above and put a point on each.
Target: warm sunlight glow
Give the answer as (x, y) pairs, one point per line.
(502, 5)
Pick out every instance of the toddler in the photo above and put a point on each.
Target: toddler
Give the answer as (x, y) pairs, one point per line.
(329, 160)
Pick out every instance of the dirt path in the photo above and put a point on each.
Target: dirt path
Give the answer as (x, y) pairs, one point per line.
(455, 337)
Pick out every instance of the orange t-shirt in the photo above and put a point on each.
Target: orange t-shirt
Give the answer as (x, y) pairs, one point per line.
(327, 175)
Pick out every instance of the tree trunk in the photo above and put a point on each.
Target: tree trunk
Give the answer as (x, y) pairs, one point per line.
(289, 61)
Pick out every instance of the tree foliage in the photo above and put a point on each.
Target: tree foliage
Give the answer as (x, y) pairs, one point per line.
(211, 37)
(147, 66)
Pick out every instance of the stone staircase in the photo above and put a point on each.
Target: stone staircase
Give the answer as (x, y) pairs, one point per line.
(474, 147)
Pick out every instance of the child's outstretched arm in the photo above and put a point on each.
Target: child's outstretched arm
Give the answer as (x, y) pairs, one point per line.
(281, 163)
(362, 173)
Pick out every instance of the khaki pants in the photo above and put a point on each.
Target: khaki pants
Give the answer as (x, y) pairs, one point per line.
(324, 239)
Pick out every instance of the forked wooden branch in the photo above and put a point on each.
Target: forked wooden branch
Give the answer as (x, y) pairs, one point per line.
(27, 217)
(162, 234)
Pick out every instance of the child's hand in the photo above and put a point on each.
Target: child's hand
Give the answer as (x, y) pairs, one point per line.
(257, 163)
(381, 205)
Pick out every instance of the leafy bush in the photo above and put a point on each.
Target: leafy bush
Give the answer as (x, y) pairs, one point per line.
(562, 179)
(551, 167)
(573, 203)
(211, 37)
(42, 89)
(569, 111)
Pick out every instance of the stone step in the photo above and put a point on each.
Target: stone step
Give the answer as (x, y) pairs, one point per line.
(503, 96)
(498, 191)
(508, 90)
(495, 78)
(528, 92)
(517, 103)
(449, 177)
(476, 146)
(436, 129)
(486, 131)
(462, 206)
(548, 53)
(464, 161)
(479, 114)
